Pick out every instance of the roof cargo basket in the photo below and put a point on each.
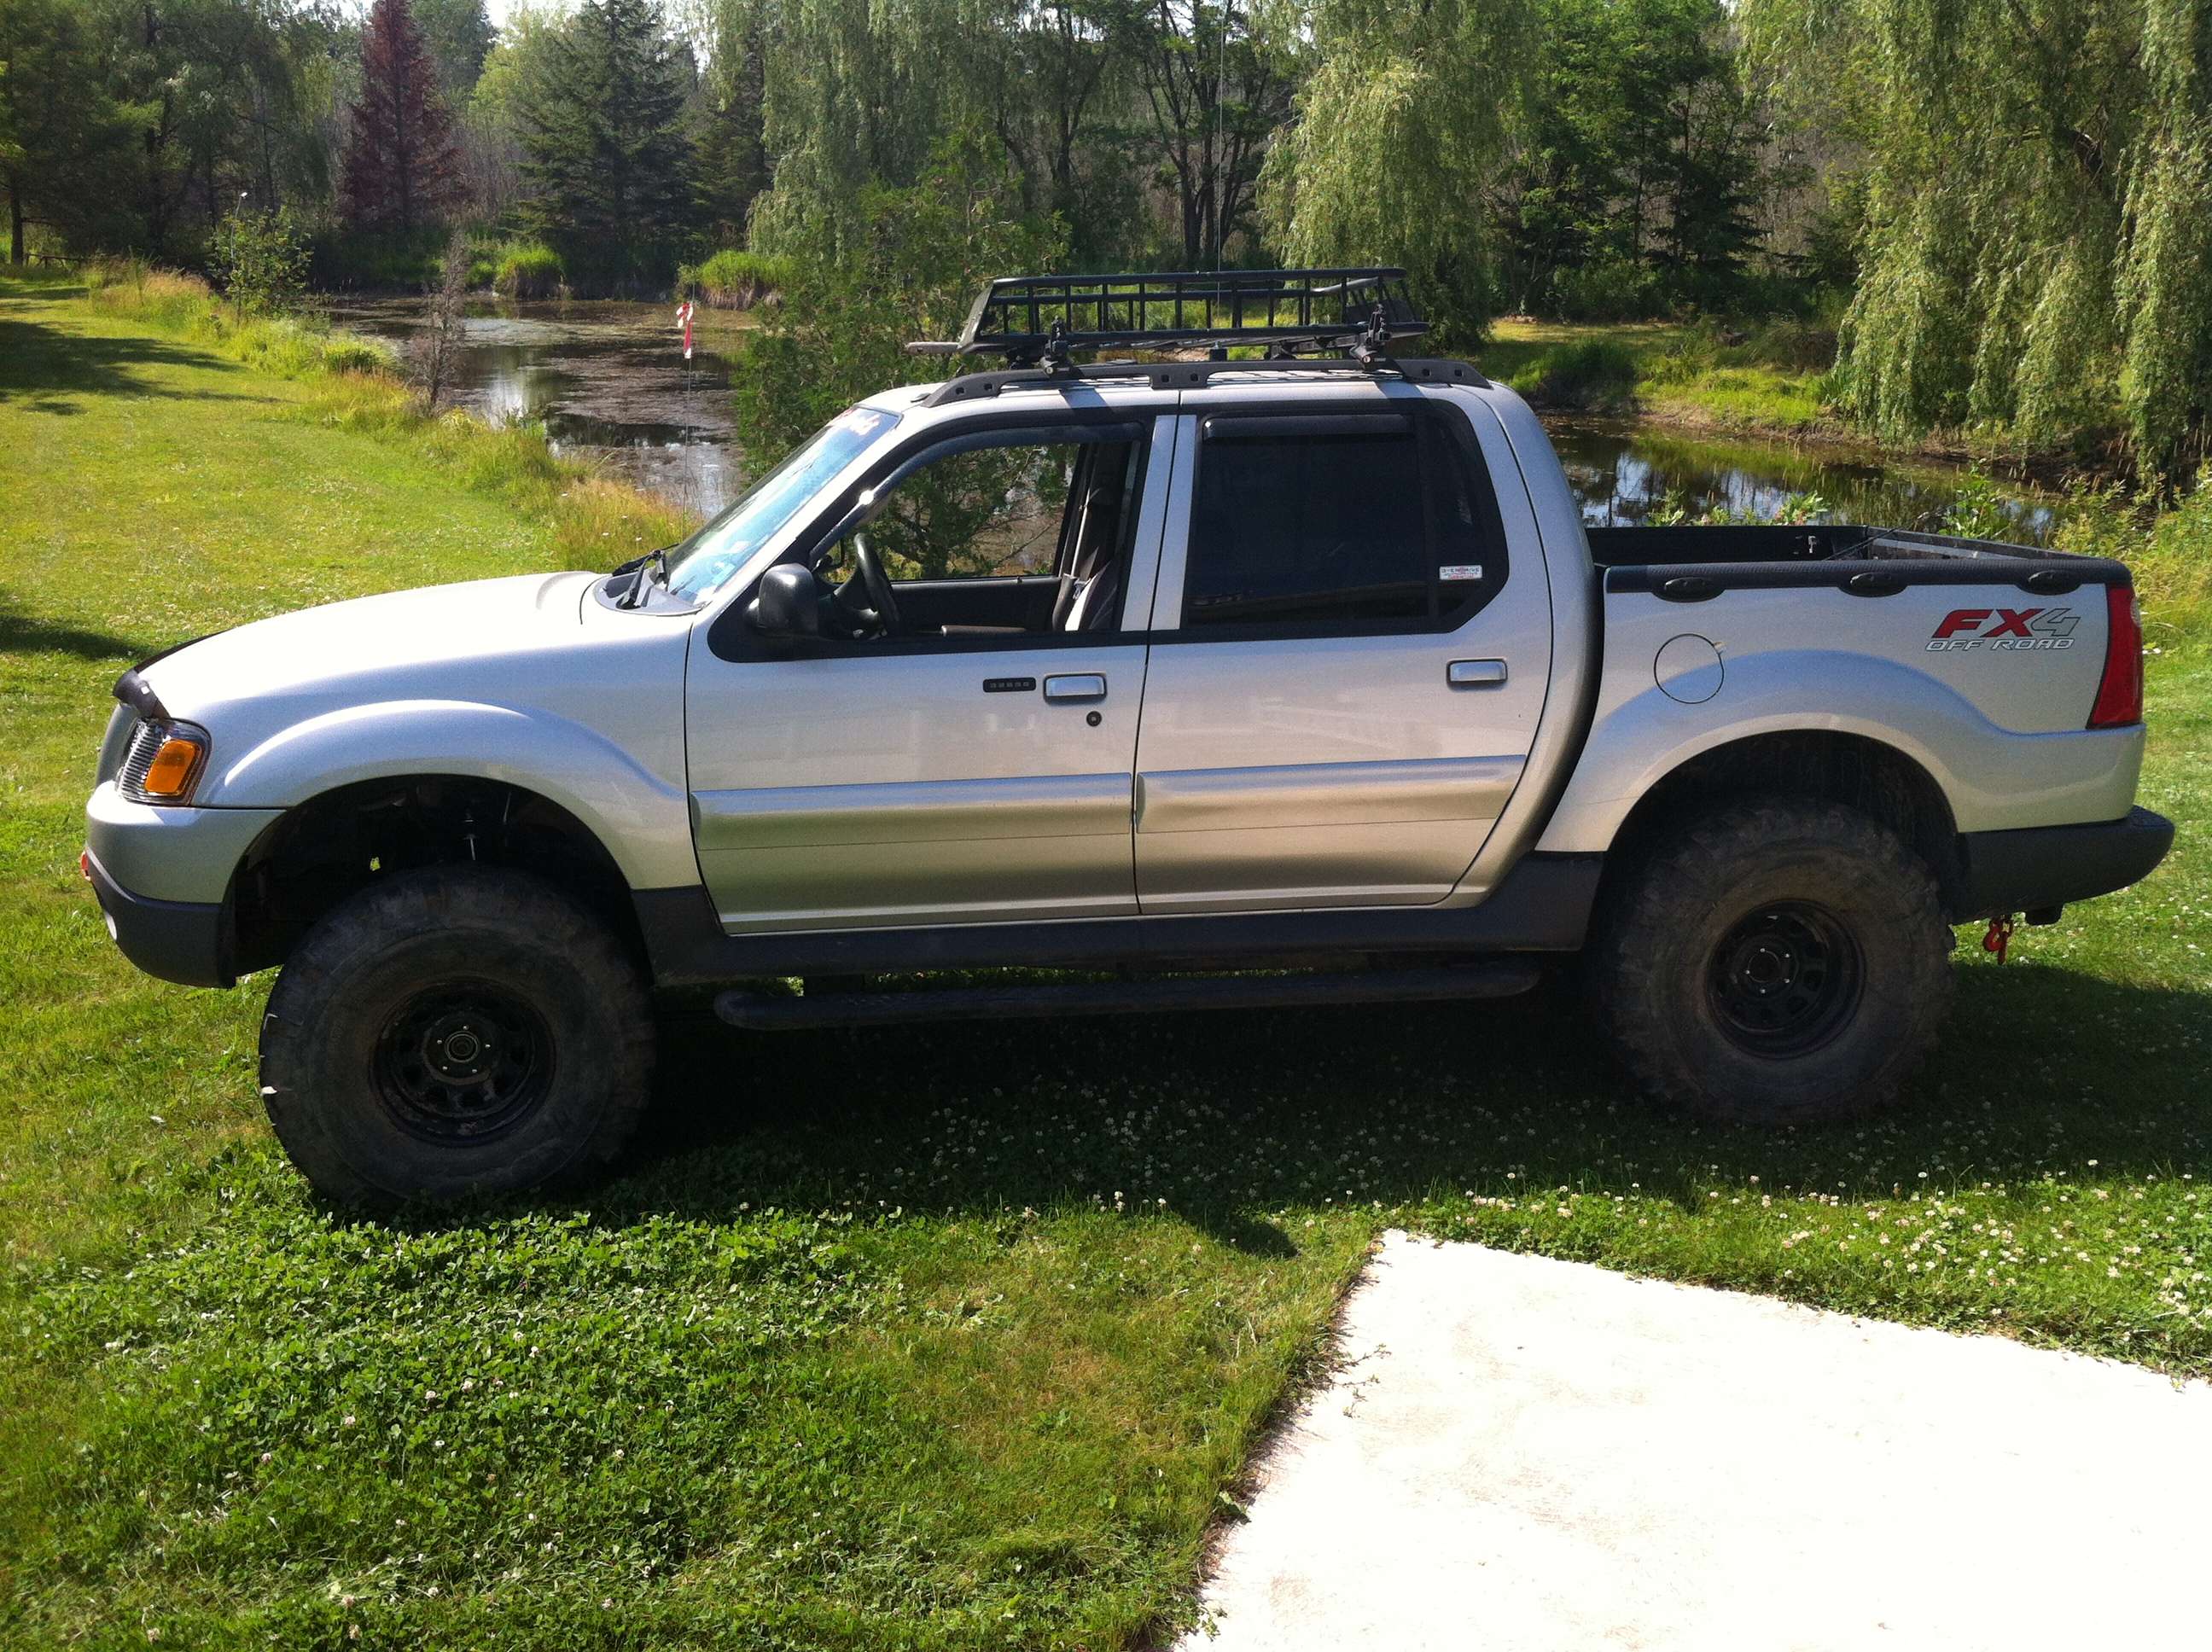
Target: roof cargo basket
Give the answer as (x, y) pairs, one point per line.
(1033, 320)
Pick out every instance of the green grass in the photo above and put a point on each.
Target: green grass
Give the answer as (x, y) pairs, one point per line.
(732, 279)
(1772, 377)
(521, 269)
(951, 1337)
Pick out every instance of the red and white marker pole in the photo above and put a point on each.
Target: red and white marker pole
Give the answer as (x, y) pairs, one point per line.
(684, 314)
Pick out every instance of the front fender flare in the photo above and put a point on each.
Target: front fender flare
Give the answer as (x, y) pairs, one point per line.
(641, 817)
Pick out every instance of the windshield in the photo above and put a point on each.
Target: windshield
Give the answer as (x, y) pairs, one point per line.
(705, 561)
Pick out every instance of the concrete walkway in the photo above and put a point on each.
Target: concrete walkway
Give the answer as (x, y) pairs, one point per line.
(1529, 1454)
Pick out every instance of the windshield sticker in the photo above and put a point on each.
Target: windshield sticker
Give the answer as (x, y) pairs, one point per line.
(1455, 572)
(2000, 629)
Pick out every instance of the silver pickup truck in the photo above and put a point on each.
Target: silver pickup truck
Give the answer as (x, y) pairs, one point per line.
(1166, 684)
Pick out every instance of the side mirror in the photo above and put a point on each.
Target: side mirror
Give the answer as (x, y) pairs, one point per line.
(788, 604)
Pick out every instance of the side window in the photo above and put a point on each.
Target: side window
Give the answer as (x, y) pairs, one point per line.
(991, 512)
(992, 534)
(1366, 521)
(1008, 510)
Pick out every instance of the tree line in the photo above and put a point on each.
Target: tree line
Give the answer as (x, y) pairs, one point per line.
(2008, 198)
(631, 134)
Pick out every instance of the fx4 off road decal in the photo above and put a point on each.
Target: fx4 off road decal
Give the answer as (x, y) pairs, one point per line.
(1963, 628)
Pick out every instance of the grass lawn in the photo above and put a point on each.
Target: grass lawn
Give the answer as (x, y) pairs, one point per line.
(949, 1336)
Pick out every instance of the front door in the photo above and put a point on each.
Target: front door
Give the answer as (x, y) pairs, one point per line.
(974, 762)
(1346, 675)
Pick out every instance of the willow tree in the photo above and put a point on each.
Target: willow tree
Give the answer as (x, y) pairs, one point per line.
(1397, 135)
(2039, 249)
(856, 94)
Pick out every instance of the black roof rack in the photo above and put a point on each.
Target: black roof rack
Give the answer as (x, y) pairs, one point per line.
(1036, 324)
(1029, 319)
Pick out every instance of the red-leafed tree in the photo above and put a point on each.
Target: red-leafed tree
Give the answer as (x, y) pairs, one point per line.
(401, 162)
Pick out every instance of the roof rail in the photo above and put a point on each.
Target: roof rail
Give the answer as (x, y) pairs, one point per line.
(1193, 375)
(1033, 320)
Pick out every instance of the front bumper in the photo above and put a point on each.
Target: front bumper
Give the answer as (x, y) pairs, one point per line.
(185, 941)
(163, 878)
(2040, 867)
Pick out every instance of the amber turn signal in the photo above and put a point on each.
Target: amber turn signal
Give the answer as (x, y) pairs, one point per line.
(174, 768)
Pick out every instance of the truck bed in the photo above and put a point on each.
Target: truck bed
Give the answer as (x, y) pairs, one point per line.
(1691, 562)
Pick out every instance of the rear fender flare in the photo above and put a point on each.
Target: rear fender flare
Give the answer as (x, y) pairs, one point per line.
(1993, 778)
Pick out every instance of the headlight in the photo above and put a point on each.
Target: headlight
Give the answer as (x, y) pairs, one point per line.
(164, 763)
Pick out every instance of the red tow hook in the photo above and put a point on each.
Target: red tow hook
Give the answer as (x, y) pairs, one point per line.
(1999, 937)
(84, 864)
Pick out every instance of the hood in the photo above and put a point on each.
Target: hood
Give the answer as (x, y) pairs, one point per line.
(456, 677)
(330, 651)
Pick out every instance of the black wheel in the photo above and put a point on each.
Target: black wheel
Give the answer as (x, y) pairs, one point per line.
(453, 1031)
(1777, 962)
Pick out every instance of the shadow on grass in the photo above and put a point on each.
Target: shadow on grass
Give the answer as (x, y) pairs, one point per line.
(1227, 1116)
(22, 633)
(46, 370)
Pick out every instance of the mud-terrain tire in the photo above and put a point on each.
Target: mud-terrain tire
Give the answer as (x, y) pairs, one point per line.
(454, 1031)
(1777, 962)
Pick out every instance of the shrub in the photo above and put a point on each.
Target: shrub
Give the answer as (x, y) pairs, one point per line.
(1611, 290)
(1592, 373)
(1798, 343)
(261, 261)
(2169, 550)
(733, 280)
(528, 269)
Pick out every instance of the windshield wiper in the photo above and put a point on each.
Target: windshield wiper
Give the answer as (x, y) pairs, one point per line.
(653, 562)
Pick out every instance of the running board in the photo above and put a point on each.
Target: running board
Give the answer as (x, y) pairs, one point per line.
(767, 1012)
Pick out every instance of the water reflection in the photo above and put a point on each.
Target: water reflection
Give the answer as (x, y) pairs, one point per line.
(1622, 474)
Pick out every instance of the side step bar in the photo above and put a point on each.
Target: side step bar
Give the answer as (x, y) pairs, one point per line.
(767, 1012)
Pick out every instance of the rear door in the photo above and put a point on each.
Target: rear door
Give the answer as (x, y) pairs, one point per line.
(1346, 672)
(976, 766)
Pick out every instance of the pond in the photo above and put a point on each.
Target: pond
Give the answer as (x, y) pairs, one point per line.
(610, 385)
(608, 380)
(1622, 473)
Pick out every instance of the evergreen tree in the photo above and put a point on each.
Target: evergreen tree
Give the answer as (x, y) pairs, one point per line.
(1633, 177)
(400, 157)
(604, 148)
(459, 36)
(62, 137)
(729, 126)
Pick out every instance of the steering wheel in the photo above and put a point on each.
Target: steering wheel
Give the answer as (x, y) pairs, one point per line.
(877, 583)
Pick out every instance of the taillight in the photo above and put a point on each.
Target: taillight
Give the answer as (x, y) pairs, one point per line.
(2120, 691)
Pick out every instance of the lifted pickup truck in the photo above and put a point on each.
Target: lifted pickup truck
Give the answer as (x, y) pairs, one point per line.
(1169, 684)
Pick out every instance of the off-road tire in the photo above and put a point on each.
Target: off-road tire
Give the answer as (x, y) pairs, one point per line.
(1807, 915)
(537, 994)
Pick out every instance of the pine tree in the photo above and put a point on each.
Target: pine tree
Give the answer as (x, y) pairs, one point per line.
(459, 36)
(400, 157)
(604, 149)
(62, 137)
(728, 125)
